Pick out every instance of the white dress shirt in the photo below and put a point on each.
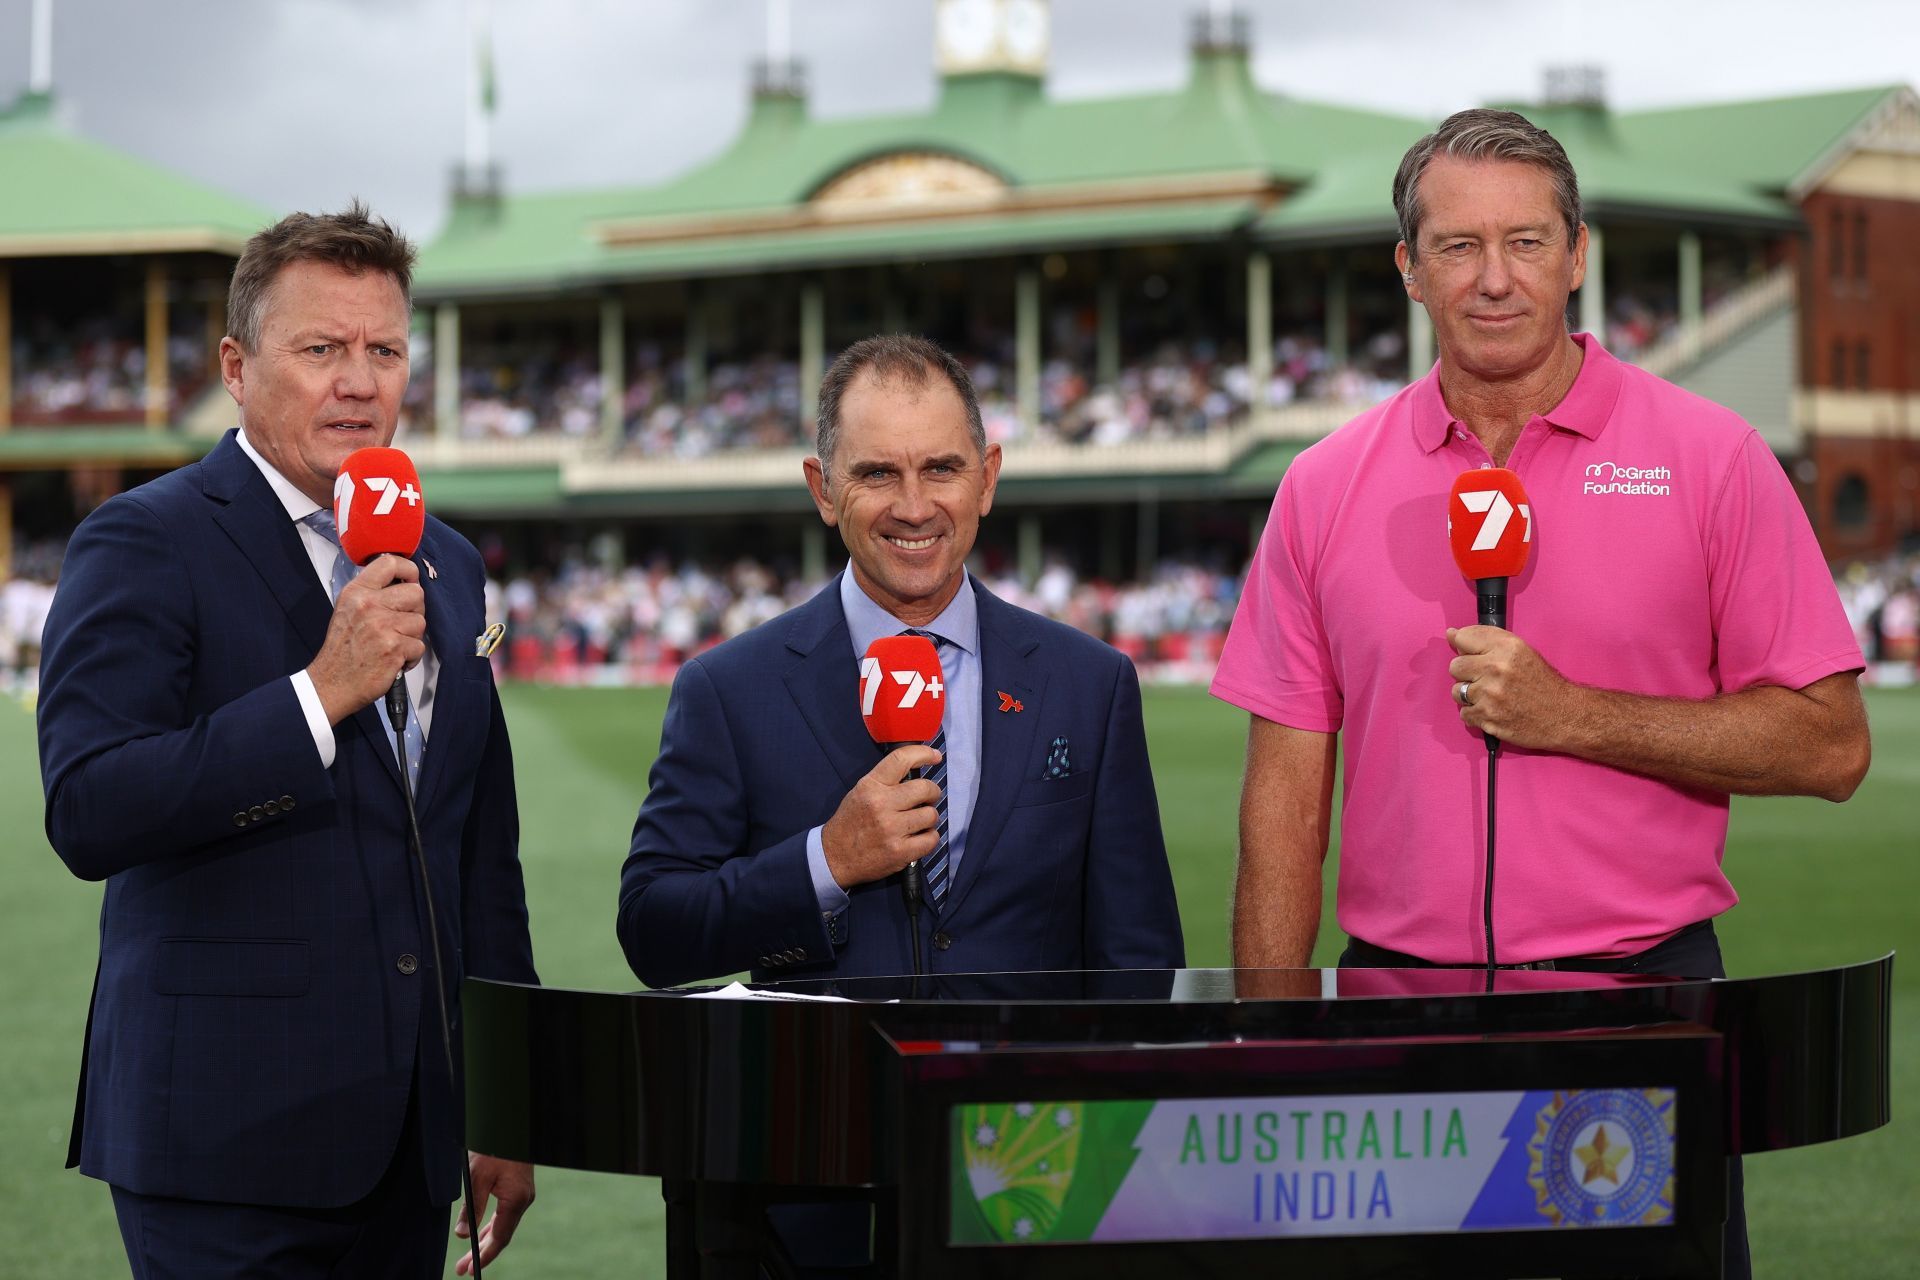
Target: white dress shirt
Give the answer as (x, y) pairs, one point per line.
(421, 681)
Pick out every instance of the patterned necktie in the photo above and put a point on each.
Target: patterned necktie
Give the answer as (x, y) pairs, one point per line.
(933, 867)
(321, 522)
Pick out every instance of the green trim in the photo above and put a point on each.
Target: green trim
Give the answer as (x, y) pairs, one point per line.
(51, 448)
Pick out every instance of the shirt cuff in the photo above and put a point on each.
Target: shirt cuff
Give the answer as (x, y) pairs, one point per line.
(317, 720)
(826, 890)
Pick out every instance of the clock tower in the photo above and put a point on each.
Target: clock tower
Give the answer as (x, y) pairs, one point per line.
(972, 36)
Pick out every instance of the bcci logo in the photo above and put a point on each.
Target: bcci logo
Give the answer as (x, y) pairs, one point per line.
(1604, 1157)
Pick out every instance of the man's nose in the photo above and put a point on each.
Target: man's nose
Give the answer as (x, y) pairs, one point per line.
(354, 378)
(913, 503)
(1496, 273)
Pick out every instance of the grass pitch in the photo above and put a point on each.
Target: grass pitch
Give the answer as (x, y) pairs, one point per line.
(1820, 885)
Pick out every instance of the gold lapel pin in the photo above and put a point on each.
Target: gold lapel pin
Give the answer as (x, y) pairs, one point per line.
(487, 641)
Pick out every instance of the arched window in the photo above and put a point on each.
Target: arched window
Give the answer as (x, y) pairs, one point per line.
(1850, 501)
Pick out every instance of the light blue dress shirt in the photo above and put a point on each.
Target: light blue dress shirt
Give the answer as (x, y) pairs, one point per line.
(958, 625)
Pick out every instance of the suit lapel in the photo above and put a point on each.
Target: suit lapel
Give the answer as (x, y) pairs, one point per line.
(1008, 660)
(824, 682)
(452, 707)
(253, 518)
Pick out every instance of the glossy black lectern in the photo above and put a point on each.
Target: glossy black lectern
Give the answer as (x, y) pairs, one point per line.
(1192, 1122)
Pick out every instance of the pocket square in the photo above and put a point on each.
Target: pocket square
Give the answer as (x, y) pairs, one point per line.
(1059, 765)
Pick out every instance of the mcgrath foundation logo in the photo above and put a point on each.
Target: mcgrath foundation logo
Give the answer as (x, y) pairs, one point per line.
(1611, 477)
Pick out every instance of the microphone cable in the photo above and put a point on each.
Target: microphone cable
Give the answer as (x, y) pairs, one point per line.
(1486, 906)
(397, 716)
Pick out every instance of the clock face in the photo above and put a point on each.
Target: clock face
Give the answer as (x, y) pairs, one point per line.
(965, 32)
(1026, 31)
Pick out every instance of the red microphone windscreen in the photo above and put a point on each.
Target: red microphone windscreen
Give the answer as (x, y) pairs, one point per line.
(377, 505)
(902, 693)
(1489, 523)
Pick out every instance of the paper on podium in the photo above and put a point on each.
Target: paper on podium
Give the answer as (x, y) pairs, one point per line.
(741, 991)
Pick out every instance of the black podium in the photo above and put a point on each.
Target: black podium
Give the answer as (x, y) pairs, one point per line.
(1192, 1122)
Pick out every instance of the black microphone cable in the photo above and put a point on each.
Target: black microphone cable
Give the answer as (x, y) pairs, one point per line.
(397, 716)
(1491, 594)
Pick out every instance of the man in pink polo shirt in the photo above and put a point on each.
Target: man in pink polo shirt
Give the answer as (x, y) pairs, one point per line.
(1675, 637)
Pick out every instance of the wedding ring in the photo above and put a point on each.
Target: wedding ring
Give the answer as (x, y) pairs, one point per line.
(1460, 694)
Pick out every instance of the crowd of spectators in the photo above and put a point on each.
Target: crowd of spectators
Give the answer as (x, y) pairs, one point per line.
(94, 374)
(1882, 600)
(582, 622)
(1175, 390)
(585, 623)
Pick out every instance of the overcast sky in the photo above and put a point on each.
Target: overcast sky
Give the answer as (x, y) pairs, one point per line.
(302, 103)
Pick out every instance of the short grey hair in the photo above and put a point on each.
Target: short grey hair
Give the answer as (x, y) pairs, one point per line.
(353, 240)
(1485, 134)
(900, 357)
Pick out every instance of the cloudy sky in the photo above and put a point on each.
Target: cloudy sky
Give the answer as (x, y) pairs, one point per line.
(301, 103)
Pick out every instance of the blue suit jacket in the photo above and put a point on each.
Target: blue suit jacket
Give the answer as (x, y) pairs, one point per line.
(763, 739)
(262, 998)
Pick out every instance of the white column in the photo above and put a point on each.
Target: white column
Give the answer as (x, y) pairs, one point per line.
(813, 347)
(1593, 294)
(446, 371)
(613, 368)
(1030, 550)
(1692, 300)
(1419, 341)
(1337, 312)
(1026, 339)
(1259, 327)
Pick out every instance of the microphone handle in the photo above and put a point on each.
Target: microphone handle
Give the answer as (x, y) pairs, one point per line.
(397, 703)
(1492, 596)
(910, 889)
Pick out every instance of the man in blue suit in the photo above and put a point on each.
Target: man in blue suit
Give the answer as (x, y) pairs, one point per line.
(775, 831)
(263, 1082)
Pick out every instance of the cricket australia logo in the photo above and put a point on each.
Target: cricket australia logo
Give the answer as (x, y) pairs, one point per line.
(1611, 477)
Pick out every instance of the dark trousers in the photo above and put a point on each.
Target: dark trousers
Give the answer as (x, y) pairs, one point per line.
(394, 1233)
(1694, 952)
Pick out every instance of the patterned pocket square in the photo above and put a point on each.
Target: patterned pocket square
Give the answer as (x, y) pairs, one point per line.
(1059, 765)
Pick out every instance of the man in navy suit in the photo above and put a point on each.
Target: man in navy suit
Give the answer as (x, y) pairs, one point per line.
(263, 1083)
(775, 831)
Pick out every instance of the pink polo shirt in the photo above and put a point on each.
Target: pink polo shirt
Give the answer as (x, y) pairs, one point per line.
(1670, 556)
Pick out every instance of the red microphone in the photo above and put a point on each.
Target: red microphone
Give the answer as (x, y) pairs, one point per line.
(377, 511)
(903, 696)
(377, 506)
(1490, 527)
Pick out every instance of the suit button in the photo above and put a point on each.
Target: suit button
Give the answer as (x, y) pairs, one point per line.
(799, 953)
(941, 941)
(406, 963)
(271, 806)
(766, 962)
(241, 819)
(258, 813)
(286, 803)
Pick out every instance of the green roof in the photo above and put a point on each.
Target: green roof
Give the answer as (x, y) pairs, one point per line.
(68, 195)
(1763, 145)
(1307, 172)
(1220, 123)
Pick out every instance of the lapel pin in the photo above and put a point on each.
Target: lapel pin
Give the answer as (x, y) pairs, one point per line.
(1010, 703)
(487, 641)
(431, 571)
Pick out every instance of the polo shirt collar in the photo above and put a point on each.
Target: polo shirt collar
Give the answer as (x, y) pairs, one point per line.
(958, 623)
(1584, 410)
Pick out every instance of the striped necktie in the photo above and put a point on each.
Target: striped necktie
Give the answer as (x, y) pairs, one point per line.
(933, 867)
(321, 522)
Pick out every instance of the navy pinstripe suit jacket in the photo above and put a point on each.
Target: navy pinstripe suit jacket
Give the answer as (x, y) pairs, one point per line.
(261, 1010)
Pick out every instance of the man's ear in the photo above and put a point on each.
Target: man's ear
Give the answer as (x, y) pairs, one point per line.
(233, 369)
(817, 486)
